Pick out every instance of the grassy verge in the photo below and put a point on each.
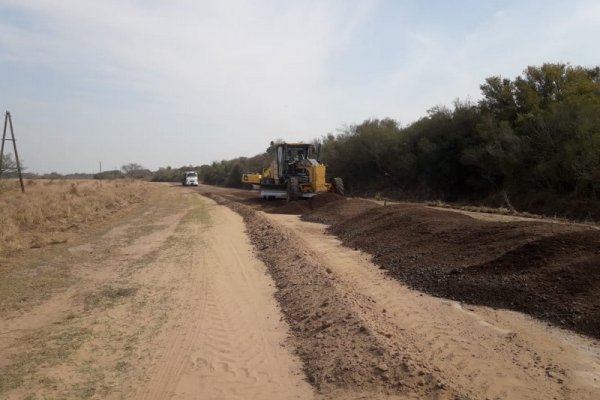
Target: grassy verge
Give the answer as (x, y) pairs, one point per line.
(106, 338)
(49, 209)
(43, 348)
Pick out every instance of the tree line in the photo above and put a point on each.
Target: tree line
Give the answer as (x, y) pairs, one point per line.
(531, 143)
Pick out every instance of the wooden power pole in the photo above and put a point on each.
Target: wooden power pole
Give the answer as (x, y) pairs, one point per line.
(8, 121)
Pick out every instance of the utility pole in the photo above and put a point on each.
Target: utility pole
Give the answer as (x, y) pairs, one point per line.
(8, 121)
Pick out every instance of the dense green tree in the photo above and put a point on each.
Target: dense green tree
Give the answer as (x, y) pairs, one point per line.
(234, 179)
(9, 165)
(499, 99)
(112, 174)
(136, 171)
(532, 142)
(168, 174)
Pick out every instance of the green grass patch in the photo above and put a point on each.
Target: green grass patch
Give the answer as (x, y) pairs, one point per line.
(40, 349)
(23, 286)
(108, 296)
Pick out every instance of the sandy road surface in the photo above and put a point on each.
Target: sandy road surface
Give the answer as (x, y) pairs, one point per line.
(166, 303)
(228, 344)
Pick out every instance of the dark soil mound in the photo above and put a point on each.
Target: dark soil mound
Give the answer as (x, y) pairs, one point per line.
(293, 207)
(407, 236)
(301, 207)
(551, 271)
(322, 199)
(338, 211)
(279, 206)
(556, 278)
(338, 349)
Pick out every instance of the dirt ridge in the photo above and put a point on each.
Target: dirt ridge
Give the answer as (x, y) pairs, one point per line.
(544, 269)
(338, 351)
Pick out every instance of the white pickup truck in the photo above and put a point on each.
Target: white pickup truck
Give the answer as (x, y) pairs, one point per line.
(190, 178)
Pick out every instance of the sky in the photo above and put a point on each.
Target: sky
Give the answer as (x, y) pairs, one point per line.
(189, 82)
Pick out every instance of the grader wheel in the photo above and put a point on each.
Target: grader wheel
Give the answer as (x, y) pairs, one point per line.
(338, 186)
(293, 189)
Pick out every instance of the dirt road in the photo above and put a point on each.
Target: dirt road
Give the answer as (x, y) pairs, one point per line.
(458, 350)
(193, 297)
(169, 303)
(228, 341)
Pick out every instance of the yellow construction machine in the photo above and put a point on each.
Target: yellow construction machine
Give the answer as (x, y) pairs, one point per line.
(296, 172)
(251, 180)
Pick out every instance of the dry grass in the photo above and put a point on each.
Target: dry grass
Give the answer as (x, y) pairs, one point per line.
(509, 213)
(108, 295)
(48, 209)
(86, 341)
(43, 348)
(483, 209)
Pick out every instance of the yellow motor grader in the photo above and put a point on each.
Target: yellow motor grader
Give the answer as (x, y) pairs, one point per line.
(296, 172)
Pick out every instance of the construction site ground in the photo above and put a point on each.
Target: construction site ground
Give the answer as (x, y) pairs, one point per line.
(212, 293)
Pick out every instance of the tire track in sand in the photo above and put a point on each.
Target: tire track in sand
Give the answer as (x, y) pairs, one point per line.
(230, 344)
(174, 354)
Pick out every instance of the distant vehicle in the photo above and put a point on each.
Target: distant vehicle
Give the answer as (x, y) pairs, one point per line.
(190, 178)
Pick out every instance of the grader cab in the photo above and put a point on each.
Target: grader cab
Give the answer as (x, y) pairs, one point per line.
(296, 172)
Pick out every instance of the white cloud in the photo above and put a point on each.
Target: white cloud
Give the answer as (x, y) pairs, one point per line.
(443, 64)
(236, 66)
(183, 82)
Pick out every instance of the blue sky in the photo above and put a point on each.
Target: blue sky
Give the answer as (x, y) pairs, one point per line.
(189, 82)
